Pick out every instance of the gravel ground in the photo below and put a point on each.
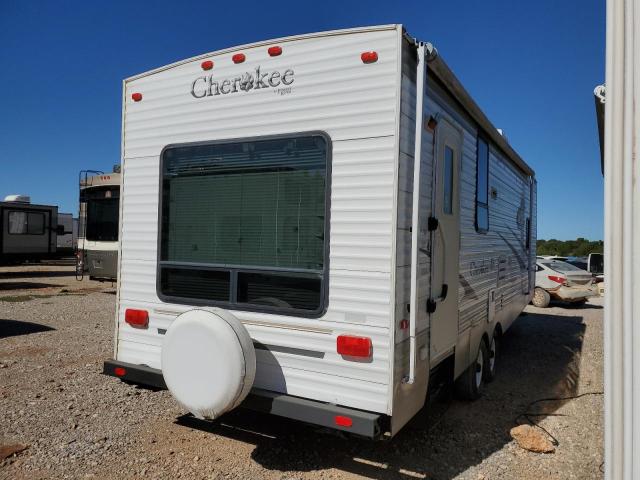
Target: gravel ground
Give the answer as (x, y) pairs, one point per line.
(55, 333)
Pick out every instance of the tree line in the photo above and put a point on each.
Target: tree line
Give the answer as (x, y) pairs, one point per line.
(580, 247)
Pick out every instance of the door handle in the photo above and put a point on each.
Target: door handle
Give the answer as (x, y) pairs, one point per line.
(432, 304)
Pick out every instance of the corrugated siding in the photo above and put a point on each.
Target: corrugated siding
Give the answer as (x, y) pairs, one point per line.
(334, 92)
(534, 233)
(405, 204)
(408, 398)
(496, 259)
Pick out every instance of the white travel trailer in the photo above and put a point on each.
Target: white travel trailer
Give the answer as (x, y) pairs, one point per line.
(320, 227)
(29, 231)
(98, 217)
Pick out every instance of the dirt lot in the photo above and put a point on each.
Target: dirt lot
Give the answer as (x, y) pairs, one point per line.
(55, 333)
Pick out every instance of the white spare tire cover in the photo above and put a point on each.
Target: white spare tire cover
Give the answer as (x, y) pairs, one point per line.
(208, 362)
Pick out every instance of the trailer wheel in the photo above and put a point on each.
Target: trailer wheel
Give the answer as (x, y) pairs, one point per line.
(541, 298)
(492, 357)
(469, 385)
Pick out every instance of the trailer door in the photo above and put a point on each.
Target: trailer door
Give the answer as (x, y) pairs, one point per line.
(446, 239)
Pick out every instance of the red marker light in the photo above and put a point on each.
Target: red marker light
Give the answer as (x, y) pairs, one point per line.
(369, 57)
(404, 324)
(238, 58)
(136, 318)
(342, 421)
(119, 371)
(352, 346)
(207, 65)
(136, 97)
(557, 279)
(275, 51)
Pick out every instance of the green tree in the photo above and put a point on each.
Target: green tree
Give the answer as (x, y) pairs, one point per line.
(580, 247)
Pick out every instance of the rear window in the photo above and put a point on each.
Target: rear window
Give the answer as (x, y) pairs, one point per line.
(244, 224)
(100, 211)
(102, 219)
(560, 266)
(579, 264)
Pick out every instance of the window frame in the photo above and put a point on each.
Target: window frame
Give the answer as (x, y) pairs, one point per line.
(28, 212)
(234, 269)
(481, 138)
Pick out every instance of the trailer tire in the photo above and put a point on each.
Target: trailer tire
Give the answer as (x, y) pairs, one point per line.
(469, 385)
(541, 298)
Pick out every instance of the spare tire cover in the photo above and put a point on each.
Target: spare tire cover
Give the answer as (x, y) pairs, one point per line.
(208, 362)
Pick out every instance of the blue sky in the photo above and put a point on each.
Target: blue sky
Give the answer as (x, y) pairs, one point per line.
(531, 66)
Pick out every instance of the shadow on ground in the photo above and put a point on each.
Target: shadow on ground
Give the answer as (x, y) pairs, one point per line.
(14, 328)
(540, 358)
(9, 274)
(569, 305)
(6, 286)
(59, 262)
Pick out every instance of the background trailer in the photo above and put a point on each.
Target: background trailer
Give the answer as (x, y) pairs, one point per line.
(98, 225)
(318, 226)
(29, 231)
(67, 242)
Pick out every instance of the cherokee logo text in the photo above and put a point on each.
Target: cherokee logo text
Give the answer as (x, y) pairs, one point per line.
(206, 86)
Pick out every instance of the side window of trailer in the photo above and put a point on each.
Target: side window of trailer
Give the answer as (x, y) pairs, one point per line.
(482, 186)
(244, 224)
(26, 223)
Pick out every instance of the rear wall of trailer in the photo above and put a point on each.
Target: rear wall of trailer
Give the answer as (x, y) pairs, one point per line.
(333, 91)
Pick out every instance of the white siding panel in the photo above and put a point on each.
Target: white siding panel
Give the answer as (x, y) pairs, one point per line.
(334, 92)
(349, 392)
(312, 356)
(496, 259)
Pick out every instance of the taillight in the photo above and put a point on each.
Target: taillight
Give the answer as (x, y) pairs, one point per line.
(274, 51)
(343, 421)
(119, 371)
(238, 58)
(557, 279)
(354, 346)
(369, 57)
(136, 318)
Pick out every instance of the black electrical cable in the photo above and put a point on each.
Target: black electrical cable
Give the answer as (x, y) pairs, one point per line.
(527, 415)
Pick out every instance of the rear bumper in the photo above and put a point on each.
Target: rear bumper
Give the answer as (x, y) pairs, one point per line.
(570, 294)
(138, 374)
(366, 424)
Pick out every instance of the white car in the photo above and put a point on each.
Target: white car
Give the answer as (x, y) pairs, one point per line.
(562, 281)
